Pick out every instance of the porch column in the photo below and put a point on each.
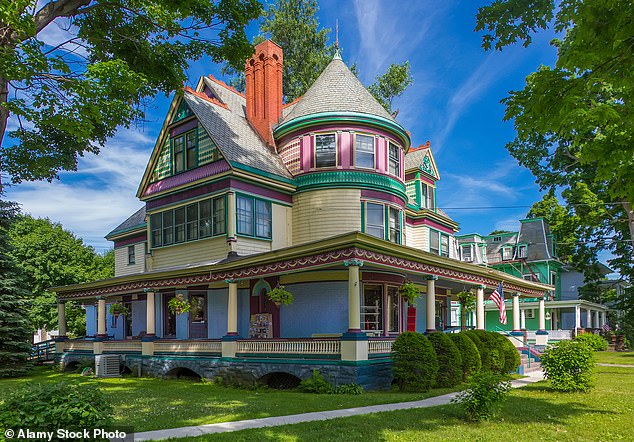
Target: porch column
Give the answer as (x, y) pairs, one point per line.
(431, 303)
(474, 320)
(596, 319)
(516, 312)
(480, 307)
(354, 343)
(231, 222)
(603, 318)
(523, 319)
(101, 317)
(577, 318)
(232, 308)
(61, 319)
(541, 336)
(354, 295)
(150, 314)
(588, 318)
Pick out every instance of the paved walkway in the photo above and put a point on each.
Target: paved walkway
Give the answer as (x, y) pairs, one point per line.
(200, 430)
(616, 365)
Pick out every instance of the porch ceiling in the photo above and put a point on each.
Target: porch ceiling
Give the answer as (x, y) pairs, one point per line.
(328, 253)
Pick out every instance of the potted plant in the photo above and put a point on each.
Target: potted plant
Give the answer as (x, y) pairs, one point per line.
(409, 292)
(178, 304)
(467, 304)
(117, 309)
(279, 295)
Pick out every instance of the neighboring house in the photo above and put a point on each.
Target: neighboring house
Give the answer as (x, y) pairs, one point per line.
(531, 254)
(243, 193)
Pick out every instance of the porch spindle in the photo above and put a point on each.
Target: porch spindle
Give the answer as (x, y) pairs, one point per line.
(480, 307)
(431, 303)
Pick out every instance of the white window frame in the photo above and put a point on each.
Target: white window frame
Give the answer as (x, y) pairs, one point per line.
(356, 151)
(333, 134)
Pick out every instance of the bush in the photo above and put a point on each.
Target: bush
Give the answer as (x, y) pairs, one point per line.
(511, 356)
(415, 365)
(449, 360)
(595, 342)
(53, 406)
(316, 384)
(355, 389)
(483, 350)
(568, 366)
(484, 395)
(491, 354)
(469, 353)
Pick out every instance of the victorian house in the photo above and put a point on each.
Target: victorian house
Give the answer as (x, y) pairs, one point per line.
(242, 193)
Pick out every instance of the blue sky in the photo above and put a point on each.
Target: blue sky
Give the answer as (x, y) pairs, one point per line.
(454, 103)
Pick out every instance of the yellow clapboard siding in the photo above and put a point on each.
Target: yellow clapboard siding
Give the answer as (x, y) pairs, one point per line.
(250, 246)
(121, 266)
(282, 226)
(203, 250)
(324, 213)
(417, 237)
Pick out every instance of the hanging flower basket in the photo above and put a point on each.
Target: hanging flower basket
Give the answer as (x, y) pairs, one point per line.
(179, 305)
(409, 292)
(279, 295)
(118, 309)
(467, 300)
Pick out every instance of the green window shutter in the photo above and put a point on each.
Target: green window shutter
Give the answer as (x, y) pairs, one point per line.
(207, 149)
(163, 167)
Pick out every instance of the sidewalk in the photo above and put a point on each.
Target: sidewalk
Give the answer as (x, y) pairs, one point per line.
(200, 430)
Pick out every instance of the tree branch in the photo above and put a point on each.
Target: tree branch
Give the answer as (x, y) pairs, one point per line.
(55, 9)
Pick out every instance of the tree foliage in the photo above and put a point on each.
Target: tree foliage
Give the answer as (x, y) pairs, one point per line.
(15, 332)
(391, 84)
(50, 256)
(575, 120)
(68, 99)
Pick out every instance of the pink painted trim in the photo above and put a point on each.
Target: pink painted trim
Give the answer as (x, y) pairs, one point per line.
(379, 153)
(261, 191)
(346, 149)
(427, 180)
(183, 128)
(306, 153)
(189, 176)
(334, 128)
(132, 240)
(375, 194)
(430, 223)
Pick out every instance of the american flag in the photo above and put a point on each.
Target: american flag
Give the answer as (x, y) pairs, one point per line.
(498, 299)
(606, 327)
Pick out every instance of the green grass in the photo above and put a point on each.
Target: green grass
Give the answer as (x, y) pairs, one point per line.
(151, 404)
(534, 412)
(615, 357)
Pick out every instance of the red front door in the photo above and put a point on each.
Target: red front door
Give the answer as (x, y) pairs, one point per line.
(260, 303)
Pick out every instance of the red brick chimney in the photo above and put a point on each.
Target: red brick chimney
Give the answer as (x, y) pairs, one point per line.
(263, 73)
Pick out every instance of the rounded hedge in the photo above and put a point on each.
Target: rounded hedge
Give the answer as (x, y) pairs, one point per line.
(568, 366)
(471, 362)
(485, 354)
(414, 362)
(595, 342)
(449, 360)
(512, 358)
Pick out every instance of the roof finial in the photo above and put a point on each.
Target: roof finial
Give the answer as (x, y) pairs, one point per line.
(337, 55)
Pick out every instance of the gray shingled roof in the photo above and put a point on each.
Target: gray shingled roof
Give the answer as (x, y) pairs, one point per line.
(234, 136)
(413, 159)
(137, 219)
(535, 234)
(337, 90)
(235, 102)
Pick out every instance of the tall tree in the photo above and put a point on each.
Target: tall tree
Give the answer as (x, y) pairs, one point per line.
(68, 98)
(392, 84)
(15, 331)
(575, 120)
(50, 256)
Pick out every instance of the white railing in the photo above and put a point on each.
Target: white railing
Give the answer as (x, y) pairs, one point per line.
(115, 346)
(300, 346)
(559, 335)
(78, 346)
(187, 346)
(380, 346)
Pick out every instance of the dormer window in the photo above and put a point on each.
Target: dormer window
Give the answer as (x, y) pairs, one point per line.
(467, 256)
(521, 252)
(428, 196)
(364, 151)
(395, 160)
(325, 150)
(507, 253)
(184, 151)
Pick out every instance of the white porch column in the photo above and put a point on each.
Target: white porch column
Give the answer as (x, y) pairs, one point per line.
(577, 317)
(588, 318)
(431, 303)
(516, 312)
(474, 319)
(354, 343)
(232, 308)
(61, 318)
(523, 319)
(480, 307)
(603, 318)
(101, 317)
(596, 319)
(231, 222)
(542, 314)
(150, 314)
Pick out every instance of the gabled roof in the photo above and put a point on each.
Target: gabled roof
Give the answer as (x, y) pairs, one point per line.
(421, 159)
(337, 89)
(134, 222)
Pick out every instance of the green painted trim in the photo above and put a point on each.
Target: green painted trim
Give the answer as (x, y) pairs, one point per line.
(350, 180)
(363, 216)
(115, 233)
(386, 222)
(339, 117)
(253, 210)
(260, 172)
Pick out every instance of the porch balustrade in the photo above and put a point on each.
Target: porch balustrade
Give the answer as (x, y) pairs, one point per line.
(380, 346)
(77, 346)
(122, 346)
(187, 347)
(300, 346)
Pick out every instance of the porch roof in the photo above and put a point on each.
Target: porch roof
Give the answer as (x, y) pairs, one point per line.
(319, 254)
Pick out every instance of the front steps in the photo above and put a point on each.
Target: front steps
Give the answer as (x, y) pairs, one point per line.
(530, 360)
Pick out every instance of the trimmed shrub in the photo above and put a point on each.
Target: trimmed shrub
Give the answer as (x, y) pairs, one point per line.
(595, 342)
(415, 365)
(493, 359)
(449, 360)
(316, 384)
(469, 353)
(512, 358)
(485, 354)
(484, 395)
(53, 406)
(568, 366)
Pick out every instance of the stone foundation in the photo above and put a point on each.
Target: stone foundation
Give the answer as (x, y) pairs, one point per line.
(372, 375)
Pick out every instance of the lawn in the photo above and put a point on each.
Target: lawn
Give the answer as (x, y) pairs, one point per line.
(152, 404)
(615, 357)
(534, 412)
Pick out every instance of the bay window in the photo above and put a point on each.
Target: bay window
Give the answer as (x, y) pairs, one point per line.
(383, 221)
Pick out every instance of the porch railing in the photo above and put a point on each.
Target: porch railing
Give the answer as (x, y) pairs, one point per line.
(78, 345)
(187, 347)
(122, 346)
(559, 335)
(303, 346)
(380, 346)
